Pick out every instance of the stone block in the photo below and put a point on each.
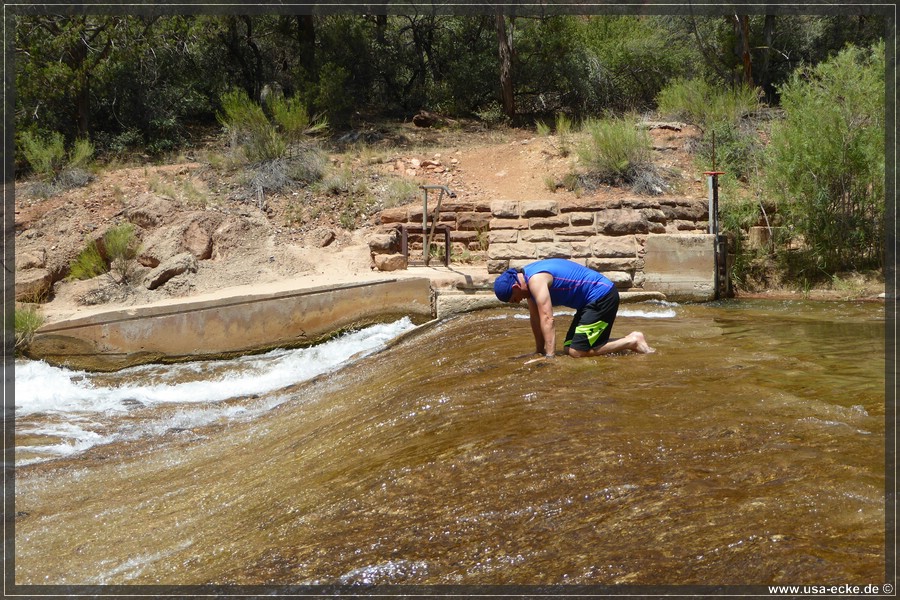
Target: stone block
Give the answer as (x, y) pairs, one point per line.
(386, 242)
(473, 221)
(581, 218)
(622, 222)
(33, 285)
(547, 223)
(621, 279)
(581, 249)
(482, 205)
(176, 265)
(589, 205)
(539, 208)
(542, 235)
(497, 266)
(496, 224)
(614, 247)
(640, 202)
(603, 265)
(522, 250)
(687, 210)
(462, 237)
(503, 236)
(453, 205)
(390, 262)
(556, 250)
(654, 215)
(579, 232)
(399, 214)
(505, 209)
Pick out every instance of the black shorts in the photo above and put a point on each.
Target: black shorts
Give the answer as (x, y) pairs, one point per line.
(592, 324)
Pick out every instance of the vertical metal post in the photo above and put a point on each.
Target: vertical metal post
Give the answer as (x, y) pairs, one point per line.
(713, 178)
(425, 249)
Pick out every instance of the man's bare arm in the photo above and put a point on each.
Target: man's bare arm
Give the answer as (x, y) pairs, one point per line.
(541, 308)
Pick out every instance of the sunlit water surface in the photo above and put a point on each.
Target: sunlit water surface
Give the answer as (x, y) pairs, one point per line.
(749, 449)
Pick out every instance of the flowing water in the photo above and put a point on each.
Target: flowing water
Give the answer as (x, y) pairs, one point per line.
(749, 449)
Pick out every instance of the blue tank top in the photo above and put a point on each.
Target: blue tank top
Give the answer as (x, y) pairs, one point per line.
(574, 285)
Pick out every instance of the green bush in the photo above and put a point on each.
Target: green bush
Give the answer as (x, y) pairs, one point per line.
(826, 160)
(80, 154)
(122, 248)
(332, 98)
(279, 147)
(57, 170)
(250, 130)
(700, 103)
(46, 155)
(27, 321)
(88, 264)
(730, 142)
(615, 151)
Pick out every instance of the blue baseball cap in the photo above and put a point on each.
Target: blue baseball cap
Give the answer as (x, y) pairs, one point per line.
(503, 285)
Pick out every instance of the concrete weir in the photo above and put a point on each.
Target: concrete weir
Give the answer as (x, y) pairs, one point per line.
(229, 326)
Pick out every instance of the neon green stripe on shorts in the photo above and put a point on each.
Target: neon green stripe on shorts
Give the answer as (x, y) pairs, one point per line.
(592, 331)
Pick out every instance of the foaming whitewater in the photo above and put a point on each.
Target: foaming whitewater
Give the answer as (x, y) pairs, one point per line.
(69, 411)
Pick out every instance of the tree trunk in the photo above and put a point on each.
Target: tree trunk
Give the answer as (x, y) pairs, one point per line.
(765, 77)
(306, 36)
(506, 82)
(380, 28)
(742, 25)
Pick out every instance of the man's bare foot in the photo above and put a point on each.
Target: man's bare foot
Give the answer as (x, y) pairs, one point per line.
(640, 343)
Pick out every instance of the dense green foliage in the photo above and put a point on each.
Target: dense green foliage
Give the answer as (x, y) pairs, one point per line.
(827, 159)
(145, 82)
(153, 83)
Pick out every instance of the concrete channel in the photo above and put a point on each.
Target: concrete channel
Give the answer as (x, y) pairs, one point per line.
(255, 320)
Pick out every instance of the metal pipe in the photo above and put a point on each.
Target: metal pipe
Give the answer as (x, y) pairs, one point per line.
(428, 237)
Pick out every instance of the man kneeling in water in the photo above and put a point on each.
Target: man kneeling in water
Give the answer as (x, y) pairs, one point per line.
(557, 281)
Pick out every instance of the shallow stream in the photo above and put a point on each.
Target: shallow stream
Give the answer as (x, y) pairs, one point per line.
(749, 449)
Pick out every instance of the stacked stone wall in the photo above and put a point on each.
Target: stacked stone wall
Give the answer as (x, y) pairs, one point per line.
(606, 235)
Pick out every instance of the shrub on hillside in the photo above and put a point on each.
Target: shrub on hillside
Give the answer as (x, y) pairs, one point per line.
(615, 151)
(730, 142)
(826, 160)
(120, 261)
(57, 169)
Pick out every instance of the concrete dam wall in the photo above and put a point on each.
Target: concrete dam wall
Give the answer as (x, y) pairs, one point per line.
(229, 326)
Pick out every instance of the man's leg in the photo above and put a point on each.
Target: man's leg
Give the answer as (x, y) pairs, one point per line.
(634, 341)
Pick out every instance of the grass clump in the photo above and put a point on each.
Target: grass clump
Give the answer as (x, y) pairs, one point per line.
(57, 170)
(122, 248)
(615, 151)
(88, 264)
(563, 128)
(118, 259)
(27, 320)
